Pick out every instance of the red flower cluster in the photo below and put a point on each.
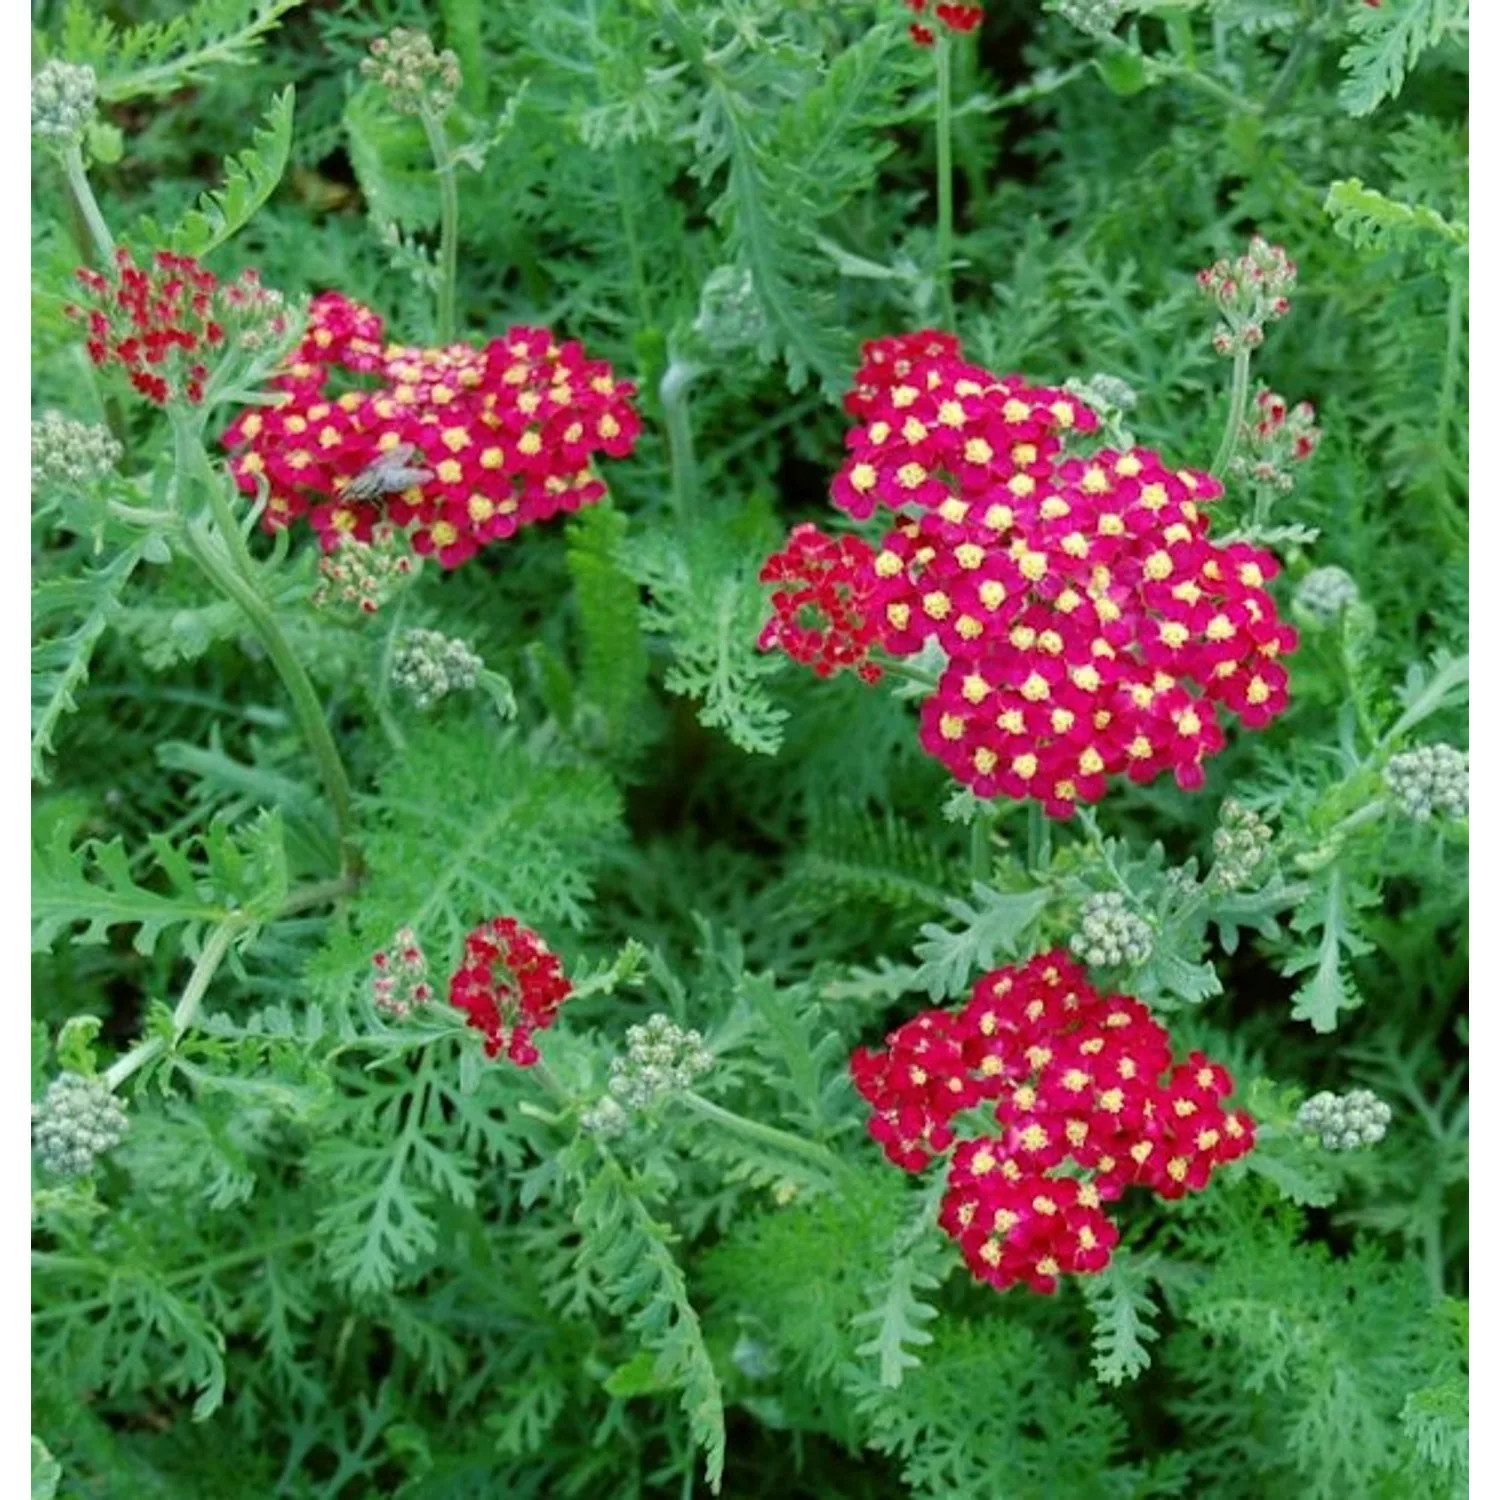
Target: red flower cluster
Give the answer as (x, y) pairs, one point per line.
(464, 445)
(819, 604)
(510, 985)
(959, 18)
(1078, 600)
(161, 323)
(1081, 1106)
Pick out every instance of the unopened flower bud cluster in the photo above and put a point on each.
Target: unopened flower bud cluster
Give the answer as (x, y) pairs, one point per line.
(1432, 781)
(416, 77)
(1093, 17)
(729, 313)
(430, 665)
(363, 575)
(1241, 842)
(400, 985)
(1249, 293)
(1344, 1122)
(63, 97)
(1274, 438)
(1109, 934)
(1325, 593)
(661, 1058)
(606, 1119)
(65, 452)
(77, 1120)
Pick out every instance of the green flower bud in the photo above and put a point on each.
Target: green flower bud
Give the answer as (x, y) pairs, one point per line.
(729, 313)
(75, 1121)
(661, 1058)
(1325, 594)
(1110, 935)
(1431, 780)
(69, 454)
(430, 665)
(63, 98)
(1241, 842)
(606, 1119)
(1344, 1122)
(417, 78)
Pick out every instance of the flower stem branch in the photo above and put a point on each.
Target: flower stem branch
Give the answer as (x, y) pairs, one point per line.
(88, 205)
(1239, 396)
(226, 561)
(763, 1135)
(674, 405)
(446, 167)
(944, 270)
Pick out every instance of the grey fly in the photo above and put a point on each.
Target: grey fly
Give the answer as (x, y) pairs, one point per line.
(388, 474)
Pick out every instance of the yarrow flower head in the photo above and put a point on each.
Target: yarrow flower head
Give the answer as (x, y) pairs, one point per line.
(960, 19)
(1095, 17)
(661, 1058)
(65, 452)
(430, 665)
(164, 323)
(1325, 593)
(1274, 439)
(1249, 293)
(63, 99)
(820, 604)
(76, 1121)
(1431, 781)
(1082, 1098)
(1088, 625)
(1241, 842)
(1344, 1122)
(417, 77)
(510, 985)
(1109, 934)
(400, 985)
(364, 574)
(461, 445)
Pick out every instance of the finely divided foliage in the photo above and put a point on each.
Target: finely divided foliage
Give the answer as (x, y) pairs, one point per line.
(637, 607)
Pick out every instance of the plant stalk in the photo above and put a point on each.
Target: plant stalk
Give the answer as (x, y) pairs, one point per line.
(944, 269)
(1239, 397)
(766, 1135)
(674, 405)
(447, 289)
(88, 205)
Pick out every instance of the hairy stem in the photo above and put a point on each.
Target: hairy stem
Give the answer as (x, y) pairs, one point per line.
(446, 167)
(674, 405)
(1239, 396)
(226, 561)
(215, 950)
(944, 269)
(88, 205)
(1038, 839)
(766, 1135)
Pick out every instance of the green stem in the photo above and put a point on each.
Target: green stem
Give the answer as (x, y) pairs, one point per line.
(1239, 396)
(945, 179)
(229, 566)
(623, 186)
(446, 167)
(88, 205)
(765, 1135)
(215, 950)
(1038, 839)
(674, 405)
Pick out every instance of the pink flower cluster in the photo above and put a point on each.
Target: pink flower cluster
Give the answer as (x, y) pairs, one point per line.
(162, 323)
(1085, 1099)
(1091, 629)
(819, 603)
(463, 445)
(510, 985)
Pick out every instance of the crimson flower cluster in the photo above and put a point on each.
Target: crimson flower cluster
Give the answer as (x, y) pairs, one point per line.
(1085, 1098)
(472, 443)
(163, 322)
(510, 985)
(959, 18)
(1090, 627)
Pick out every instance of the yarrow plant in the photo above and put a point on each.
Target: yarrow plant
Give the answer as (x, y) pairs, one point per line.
(489, 439)
(1089, 627)
(1077, 1098)
(400, 984)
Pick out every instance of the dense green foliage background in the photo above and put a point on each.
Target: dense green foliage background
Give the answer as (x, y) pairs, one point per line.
(335, 1258)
